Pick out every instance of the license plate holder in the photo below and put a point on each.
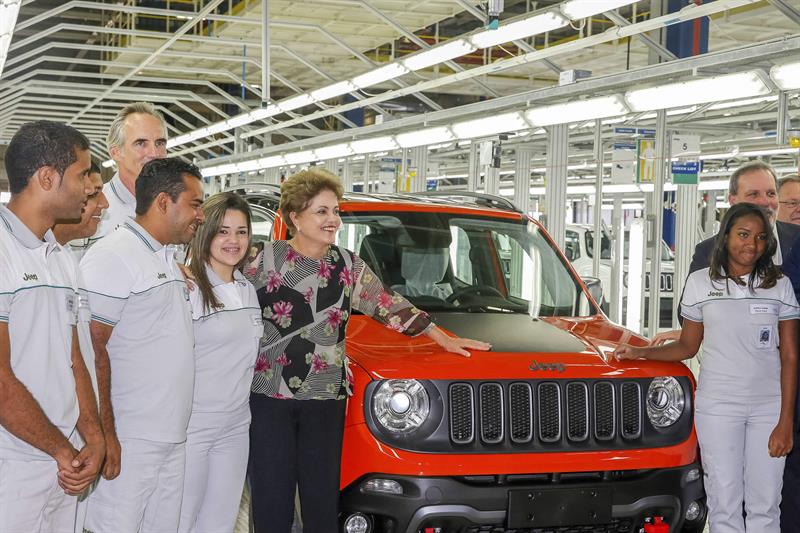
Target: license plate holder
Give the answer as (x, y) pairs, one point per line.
(554, 507)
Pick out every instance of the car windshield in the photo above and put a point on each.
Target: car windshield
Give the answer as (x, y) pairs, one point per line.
(448, 262)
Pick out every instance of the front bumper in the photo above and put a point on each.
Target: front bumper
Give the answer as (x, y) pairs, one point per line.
(469, 504)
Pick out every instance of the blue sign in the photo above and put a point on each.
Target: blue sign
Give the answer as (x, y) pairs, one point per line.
(628, 131)
(685, 167)
(431, 184)
(646, 132)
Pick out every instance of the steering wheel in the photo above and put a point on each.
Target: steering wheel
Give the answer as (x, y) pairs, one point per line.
(473, 291)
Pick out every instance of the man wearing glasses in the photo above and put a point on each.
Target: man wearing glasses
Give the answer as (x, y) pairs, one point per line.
(789, 199)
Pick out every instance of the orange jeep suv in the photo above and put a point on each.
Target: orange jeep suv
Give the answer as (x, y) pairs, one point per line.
(544, 433)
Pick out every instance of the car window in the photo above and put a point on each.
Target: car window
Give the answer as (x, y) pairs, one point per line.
(443, 262)
(605, 245)
(262, 225)
(572, 245)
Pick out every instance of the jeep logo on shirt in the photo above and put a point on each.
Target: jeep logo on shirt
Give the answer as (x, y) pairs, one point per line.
(30, 277)
(162, 275)
(715, 293)
(535, 366)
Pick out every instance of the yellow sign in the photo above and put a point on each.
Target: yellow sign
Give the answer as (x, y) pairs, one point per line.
(646, 161)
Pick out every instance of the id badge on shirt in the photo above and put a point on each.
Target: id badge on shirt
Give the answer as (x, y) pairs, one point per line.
(764, 339)
(71, 302)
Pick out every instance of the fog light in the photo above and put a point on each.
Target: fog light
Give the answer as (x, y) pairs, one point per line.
(692, 475)
(357, 523)
(385, 486)
(693, 511)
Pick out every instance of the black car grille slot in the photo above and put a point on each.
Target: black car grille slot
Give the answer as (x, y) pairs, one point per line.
(577, 411)
(604, 414)
(462, 408)
(549, 401)
(491, 395)
(520, 402)
(631, 410)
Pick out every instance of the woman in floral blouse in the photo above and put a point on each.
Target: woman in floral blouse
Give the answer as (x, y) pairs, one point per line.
(306, 287)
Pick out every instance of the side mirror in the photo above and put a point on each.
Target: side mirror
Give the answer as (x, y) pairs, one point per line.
(595, 288)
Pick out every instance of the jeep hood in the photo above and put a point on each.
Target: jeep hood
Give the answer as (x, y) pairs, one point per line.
(523, 347)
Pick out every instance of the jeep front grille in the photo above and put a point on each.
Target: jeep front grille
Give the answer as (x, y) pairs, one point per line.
(552, 411)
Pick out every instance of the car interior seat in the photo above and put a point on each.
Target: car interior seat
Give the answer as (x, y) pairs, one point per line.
(423, 270)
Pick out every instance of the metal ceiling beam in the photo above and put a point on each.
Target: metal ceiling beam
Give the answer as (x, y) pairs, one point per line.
(773, 49)
(621, 21)
(790, 11)
(208, 8)
(571, 46)
(419, 42)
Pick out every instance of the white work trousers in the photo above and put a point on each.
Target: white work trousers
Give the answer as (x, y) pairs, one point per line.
(31, 501)
(146, 496)
(733, 435)
(216, 463)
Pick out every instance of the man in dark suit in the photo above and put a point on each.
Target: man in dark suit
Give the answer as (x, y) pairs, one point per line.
(756, 183)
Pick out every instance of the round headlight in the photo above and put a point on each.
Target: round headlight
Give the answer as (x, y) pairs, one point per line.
(401, 405)
(665, 401)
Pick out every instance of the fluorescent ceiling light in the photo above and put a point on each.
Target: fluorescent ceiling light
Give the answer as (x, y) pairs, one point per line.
(264, 112)
(9, 9)
(332, 91)
(219, 170)
(379, 75)
(520, 29)
(333, 152)
(579, 9)
(426, 137)
(787, 76)
(438, 54)
(271, 161)
(5, 197)
(108, 163)
(296, 158)
(577, 111)
(375, 144)
(239, 120)
(295, 102)
(248, 166)
(492, 125)
(700, 91)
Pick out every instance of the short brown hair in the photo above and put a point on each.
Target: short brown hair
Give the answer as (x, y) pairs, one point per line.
(733, 185)
(299, 189)
(790, 178)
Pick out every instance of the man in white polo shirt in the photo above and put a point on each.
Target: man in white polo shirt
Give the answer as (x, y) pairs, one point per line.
(144, 348)
(137, 134)
(45, 389)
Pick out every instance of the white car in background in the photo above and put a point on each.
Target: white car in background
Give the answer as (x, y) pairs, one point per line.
(579, 249)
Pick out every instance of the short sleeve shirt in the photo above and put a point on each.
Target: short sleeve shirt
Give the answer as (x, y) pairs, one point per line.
(740, 334)
(226, 345)
(134, 285)
(39, 303)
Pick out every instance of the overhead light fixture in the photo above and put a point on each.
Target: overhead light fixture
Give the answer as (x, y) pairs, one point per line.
(541, 23)
(700, 91)
(333, 152)
(248, 166)
(332, 91)
(425, 137)
(295, 102)
(438, 54)
(492, 125)
(108, 163)
(239, 120)
(375, 144)
(577, 111)
(296, 158)
(8, 19)
(786, 76)
(264, 112)
(271, 161)
(379, 75)
(580, 9)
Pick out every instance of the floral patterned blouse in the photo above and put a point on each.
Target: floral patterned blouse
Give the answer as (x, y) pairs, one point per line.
(306, 304)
